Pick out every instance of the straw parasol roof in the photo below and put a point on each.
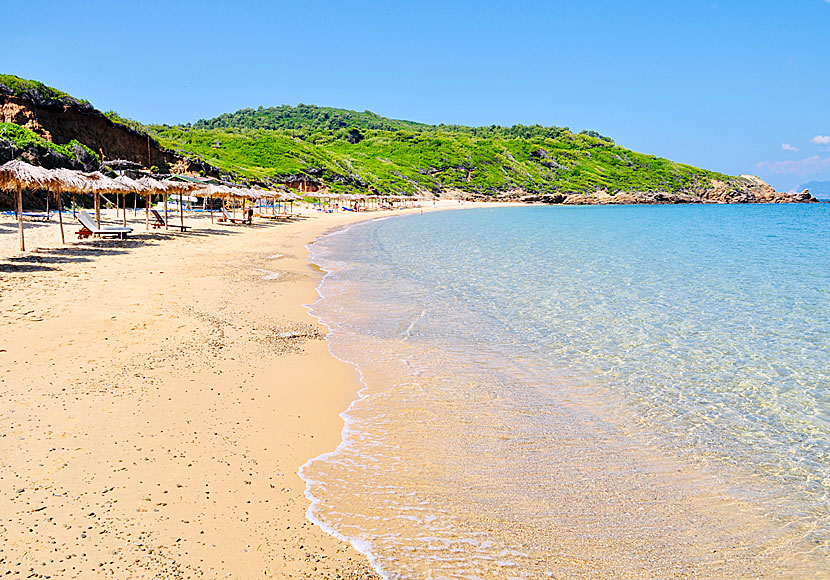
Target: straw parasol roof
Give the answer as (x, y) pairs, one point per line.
(131, 183)
(153, 184)
(17, 176)
(213, 190)
(97, 182)
(290, 195)
(181, 186)
(68, 180)
(280, 196)
(240, 192)
(260, 193)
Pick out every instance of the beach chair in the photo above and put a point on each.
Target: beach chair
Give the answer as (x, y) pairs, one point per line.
(37, 216)
(90, 228)
(274, 216)
(159, 223)
(226, 217)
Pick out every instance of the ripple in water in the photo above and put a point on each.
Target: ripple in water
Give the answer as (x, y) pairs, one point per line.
(595, 392)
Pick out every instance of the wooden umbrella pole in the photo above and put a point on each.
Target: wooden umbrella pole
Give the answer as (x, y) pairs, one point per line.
(181, 211)
(125, 210)
(20, 217)
(147, 211)
(166, 219)
(73, 205)
(60, 217)
(98, 209)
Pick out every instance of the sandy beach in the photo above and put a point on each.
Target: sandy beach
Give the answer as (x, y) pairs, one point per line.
(158, 397)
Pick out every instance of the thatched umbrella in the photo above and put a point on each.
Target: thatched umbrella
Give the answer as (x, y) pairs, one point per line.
(152, 185)
(181, 188)
(94, 184)
(212, 191)
(290, 197)
(98, 183)
(237, 193)
(134, 186)
(17, 176)
(247, 194)
(70, 181)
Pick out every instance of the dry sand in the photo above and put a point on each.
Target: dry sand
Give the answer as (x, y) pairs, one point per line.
(157, 397)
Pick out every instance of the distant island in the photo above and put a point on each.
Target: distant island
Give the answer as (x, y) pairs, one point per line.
(819, 189)
(313, 148)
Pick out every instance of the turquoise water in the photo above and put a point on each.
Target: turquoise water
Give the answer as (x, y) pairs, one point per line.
(544, 386)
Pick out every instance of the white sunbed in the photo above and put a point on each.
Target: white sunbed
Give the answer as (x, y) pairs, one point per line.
(91, 228)
(37, 216)
(228, 218)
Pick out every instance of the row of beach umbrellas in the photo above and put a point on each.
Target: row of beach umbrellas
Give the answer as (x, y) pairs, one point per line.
(360, 196)
(19, 176)
(366, 199)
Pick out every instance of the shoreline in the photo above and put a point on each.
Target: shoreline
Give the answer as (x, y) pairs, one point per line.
(160, 395)
(712, 509)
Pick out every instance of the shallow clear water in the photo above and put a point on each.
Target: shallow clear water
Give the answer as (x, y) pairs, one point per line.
(583, 392)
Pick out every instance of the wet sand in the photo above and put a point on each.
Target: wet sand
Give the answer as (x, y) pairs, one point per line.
(157, 397)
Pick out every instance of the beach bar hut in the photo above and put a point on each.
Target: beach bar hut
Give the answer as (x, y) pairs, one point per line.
(19, 176)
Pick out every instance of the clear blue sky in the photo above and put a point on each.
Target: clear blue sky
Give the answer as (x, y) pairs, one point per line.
(734, 86)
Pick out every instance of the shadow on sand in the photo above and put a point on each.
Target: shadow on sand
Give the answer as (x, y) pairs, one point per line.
(47, 259)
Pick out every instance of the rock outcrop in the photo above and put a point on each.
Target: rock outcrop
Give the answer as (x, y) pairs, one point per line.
(743, 189)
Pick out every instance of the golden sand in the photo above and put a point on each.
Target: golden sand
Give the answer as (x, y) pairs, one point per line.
(157, 397)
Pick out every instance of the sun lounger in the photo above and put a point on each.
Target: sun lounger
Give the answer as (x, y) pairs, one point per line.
(159, 223)
(37, 216)
(90, 228)
(226, 217)
(273, 216)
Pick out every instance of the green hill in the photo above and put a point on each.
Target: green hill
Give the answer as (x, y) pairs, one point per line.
(357, 151)
(348, 150)
(304, 117)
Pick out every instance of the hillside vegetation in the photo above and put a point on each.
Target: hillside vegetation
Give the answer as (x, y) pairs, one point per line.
(16, 140)
(349, 150)
(358, 151)
(37, 91)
